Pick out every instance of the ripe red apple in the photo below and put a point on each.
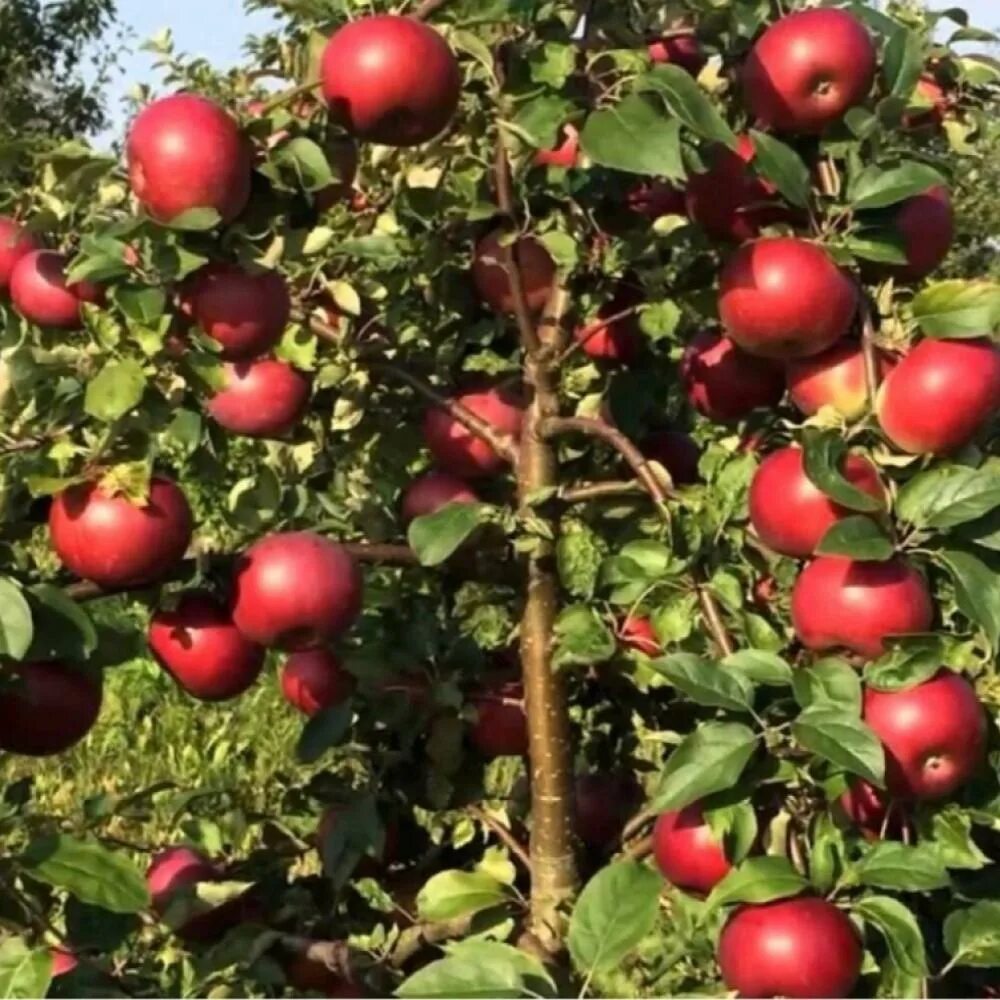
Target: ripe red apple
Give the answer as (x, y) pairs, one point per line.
(246, 313)
(187, 152)
(200, 647)
(790, 513)
(939, 395)
(501, 727)
(687, 852)
(565, 154)
(391, 80)
(725, 383)
(116, 543)
(609, 339)
(636, 632)
(934, 735)
(867, 807)
(15, 243)
(489, 273)
(933, 94)
(45, 708)
(785, 298)
(842, 602)
(681, 50)
(295, 590)
(677, 452)
(604, 803)
(63, 962)
(263, 399)
(801, 947)
(835, 377)
(808, 69)
(926, 224)
(39, 291)
(456, 449)
(653, 199)
(433, 491)
(314, 679)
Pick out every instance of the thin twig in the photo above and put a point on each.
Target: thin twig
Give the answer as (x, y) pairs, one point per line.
(637, 850)
(425, 9)
(510, 841)
(869, 352)
(287, 96)
(593, 329)
(639, 821)
(583, 492)
(713, 618)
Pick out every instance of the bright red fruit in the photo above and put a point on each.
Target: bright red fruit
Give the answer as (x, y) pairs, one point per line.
(677, 452)
(802, 947)
(785, 298)
(609, 339)
(939, 396)
(263, 399)
(489, 273)
(808, 69)
(391, 80)
(564, 154)
(835, 377)
(200, 647)
(687, 852)
(681, 50)
(295, 590)
(15, 243)
(433, 491)
(867, 807)
(926, 223)
(789, 513)
(187, 152)
(934, 101)
(63, 962)
(40, 294)
(842, 602)
(45, 708)
(637, 633)
(456, 449)
(313, 680)
(725, 383)
(501, 727)
(116, 543)
(934, 735)
(604, 803)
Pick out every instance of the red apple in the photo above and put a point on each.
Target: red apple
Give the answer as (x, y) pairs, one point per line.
(802, 947)
(677, 452)
(501, 727)
(314, 679)
(200, 647)
(604, 803)
(456, 449)
(836, 378)
(107, 538)
(687, 852)
(935, 104)
(45, 708)
(808, 69)
(63, 962)
(186, 152)
(246, 313)
(609, 339)
(940, 395)
(842, 602)
(724, 382)
(681, 50)
(391, 80)
(926, 224)
(653, 199)
(39, 292)
(789, 513)
(565, 154)
(636, 632)
(295, 590)
(15, 243)
(934, 735)
(263, 399)
(433, 491)
(785, 298)
(867, 807)
(489, 273)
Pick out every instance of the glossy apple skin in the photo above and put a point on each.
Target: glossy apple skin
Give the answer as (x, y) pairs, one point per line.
(200, 647)
(677, 452)
(262, 399)
(785, 298)
(926, 223)
(618, 341)
(687, 852)
(565, 154)
(390, 80)
(501, 727)
(46, 707)
(867, 807)
(489, 274)
(187, 152)
(433, 491)
(652, 199)
(314, 679)
(939, 395)
(835, 377)
(724, 382)
(15, 242)
(789, 513)
(295, 590)
(636, 632)
(39, 292)
(934, 735)
(683, 51)
(456, 449)
(842, 602)
(604, 803)
(116, 543)
(802, 947)
(808, 69)
(246, 313)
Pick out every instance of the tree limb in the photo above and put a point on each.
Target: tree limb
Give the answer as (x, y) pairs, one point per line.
(583, 492)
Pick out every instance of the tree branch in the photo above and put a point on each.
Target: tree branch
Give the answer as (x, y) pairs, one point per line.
(583, 492)
(506, 836)
(713, 618)
(638, 849)
(426, 8)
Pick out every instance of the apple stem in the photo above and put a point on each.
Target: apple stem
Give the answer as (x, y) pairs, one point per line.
(426, 8)
(286, 96)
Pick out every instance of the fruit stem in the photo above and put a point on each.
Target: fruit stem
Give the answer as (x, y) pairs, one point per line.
(425, 9)
(286, 96)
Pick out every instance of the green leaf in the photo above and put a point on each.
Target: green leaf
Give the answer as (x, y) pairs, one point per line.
(977, 591)
(454, 893)
(25, 972)
(535, 977)
(913, 660)
(758, 880)
(116, 389)
(949, 830)
(823, 453)
(62, 627)
(783, 167)
(16, 626)
(706, 683)
(615, 911)
(660, 319)
(972, 936)
(435, 537)
(326, 729)
(876, 188)
(888, 865)
(949, 495)
(89, 871)
(958, 309)
(902, 62)
(634, 136)
(687, 102)
(884, 246)
(308, 161)
(830, 682)
(733, 824)
(857, 537)
(541, 119)
(900, 930)
(582, 637)
(846, 742)
(761, 666)
(195, 220)
(711, 759)
(142, 305)
(377, 248)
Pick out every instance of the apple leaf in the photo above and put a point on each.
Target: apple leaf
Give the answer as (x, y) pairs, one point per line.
(479, 969)
(884, 246)
(949, 495)
(761, 666)
(977, 591)
(902, 61)
(972, 936)
(832, 682)
(326, 729)
(117, 388)
(142, 305)
(582, 637)
(949, 830)
(913, 660)
(781, 165)
(758, 880)
(876, 188)
(634, 136)
(435, 537)
(823, 453)
(454, 893)
(908, 868)
(195, 220)
(62, 627)
(953, 310)
(24, 972)
(857, 537)
(308, 161)
(16, 623)
(828, 732)
(706, 683)
(900, 930)
(541, 119)
(687, 102)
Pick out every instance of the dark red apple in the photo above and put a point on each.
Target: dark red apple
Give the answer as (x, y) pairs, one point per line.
(262, 399)
(15, 242)
(636, 632)
(687, 852)
(489, 273)
(433, 491)
(677, 452)
(934, 735)
(867, 807)
(842, 602)
(501, 727)
(808, 69)
(63, 962)
(836, 378)
(652, 199)
(186, 152)
(107, 538)
(785, 298)
(565, 154)
(200, 647)
(39, 292)
(681, 50)
(456, 449)
(725, 383)
(926, 224)
(45, 708)
(295, 590)
(940, 395)
(801, 947)
(604, 803)
(611, 336)
(314, 679)
(391, 80)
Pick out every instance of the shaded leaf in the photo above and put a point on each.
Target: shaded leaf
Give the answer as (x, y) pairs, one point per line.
(977, 591)
(877, 188)
(844, 741)
(972, 936)
(25, 972)
(908, 868)
(326, 729)
(454, 893)
(16, 625)
(435, 537)
(857, 537)
(783, 167)
(823, 453)
(900, 930)
(758, 880)
(760, 666)
(687, 102)
(117, 388)
(634, 136)
(704, 682)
